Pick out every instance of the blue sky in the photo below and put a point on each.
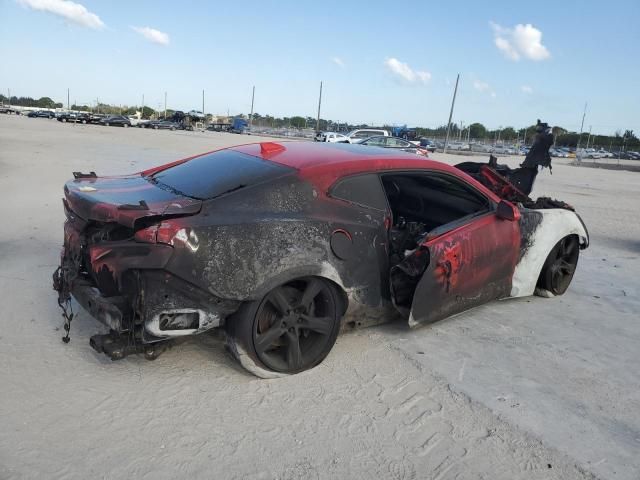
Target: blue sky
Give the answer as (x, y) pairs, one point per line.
(381, 62)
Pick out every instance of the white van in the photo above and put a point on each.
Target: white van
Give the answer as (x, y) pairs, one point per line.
(356, 136)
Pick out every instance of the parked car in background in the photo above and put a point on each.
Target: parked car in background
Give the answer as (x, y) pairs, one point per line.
(356, 136)
(9, 110)
(41, 114)
(331, 137)
(459, 146)
(557, 152)
(166, 125)
(73, 117)
(115, 121)
(523, 150)
(395, 143)
(427, 144)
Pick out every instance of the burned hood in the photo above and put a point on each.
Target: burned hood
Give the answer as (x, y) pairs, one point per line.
(125, 199)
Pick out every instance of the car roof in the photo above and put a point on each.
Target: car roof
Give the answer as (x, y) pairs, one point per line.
(324, 163)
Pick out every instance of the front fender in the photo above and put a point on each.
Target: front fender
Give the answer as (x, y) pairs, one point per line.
(549, 228)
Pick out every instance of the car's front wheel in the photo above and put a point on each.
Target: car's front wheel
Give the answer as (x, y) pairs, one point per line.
(560, 266)
(290, 330)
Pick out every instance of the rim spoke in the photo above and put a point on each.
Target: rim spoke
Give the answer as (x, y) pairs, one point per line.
(313, 288)
(570, 248)
(294, 355)
(264, 340)
(321, 325)
(279, 300)
(566, 267)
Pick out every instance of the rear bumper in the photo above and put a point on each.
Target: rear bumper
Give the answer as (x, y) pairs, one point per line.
(110, 311)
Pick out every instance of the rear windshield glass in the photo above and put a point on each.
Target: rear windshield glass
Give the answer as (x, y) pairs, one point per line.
(217, 173)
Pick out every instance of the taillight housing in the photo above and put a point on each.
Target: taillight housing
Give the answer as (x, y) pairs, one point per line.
(168, 233)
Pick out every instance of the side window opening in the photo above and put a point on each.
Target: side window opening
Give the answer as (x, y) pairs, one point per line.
(364, 190)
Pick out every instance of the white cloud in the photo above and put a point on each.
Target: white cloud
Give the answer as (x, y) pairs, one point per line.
(484, 87)
(480, 86)
(338, 61)
(405, 72)
(526, 89)
(153, 35)
(521, 41)
(67, 9)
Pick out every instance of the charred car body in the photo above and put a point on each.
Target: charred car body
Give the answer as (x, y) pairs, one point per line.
(278, 241)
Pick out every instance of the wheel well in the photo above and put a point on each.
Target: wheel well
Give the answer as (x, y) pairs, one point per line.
(342, 295)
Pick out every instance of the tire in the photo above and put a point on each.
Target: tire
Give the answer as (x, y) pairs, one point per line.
(291, 329)
(106, 124)
(560, 266)
(64, 120)
(84, 122)
(156, 127)
(125, 125)
(172, 129)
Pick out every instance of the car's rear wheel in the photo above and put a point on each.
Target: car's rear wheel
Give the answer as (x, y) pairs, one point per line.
(560, 266)
(125, 125)
(106, 124)
(64, 120)
(290, 330)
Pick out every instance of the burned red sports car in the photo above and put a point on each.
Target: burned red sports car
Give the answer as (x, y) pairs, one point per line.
(279, 242)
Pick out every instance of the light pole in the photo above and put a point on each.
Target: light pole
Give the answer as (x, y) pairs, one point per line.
(319, 103)
(253, 94)
(165, 105)
(453, 102)
(581, 127)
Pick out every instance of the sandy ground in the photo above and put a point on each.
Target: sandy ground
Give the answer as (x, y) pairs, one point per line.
(531, 388)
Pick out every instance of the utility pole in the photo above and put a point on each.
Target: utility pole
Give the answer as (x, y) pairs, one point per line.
(68, 99)
(469, 134)
(499, 131)
(319, 103)
(589, 137)
(203, 101)
(253, 94)
(581, 127)
(142, 112)
(453, 102)
(165, 105)
(9, 95)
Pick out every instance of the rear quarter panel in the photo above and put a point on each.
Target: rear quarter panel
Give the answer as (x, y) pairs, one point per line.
(257, 238)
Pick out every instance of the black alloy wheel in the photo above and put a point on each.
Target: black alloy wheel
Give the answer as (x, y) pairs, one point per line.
(292, 328)
(560, 266)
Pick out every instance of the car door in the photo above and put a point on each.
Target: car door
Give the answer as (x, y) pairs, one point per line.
(469, 261)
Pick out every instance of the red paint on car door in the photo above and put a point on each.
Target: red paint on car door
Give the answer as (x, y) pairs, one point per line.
(469, 265)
